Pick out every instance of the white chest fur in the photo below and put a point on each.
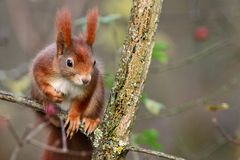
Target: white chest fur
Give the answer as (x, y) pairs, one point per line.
(69, 89)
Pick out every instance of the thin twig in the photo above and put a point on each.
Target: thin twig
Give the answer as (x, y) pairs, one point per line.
(194, 57)
(20, 100)
(36, 130)
(224, 134)
(28, 136)
(18, 139)
(28, 102)
(210, 151)
(64, 138)
(27, 130)
(14, 133)
(15, 152)
(154, 153)
(58, 150)
(231, 85)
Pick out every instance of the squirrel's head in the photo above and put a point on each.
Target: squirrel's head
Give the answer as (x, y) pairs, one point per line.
(74, 55)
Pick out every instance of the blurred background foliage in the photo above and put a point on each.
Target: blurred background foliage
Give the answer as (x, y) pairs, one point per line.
(193, 78)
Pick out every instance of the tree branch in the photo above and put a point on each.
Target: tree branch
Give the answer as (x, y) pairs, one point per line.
(113, 135)
(210, 50)
(28, 102)
(21, 100)
(154, 153)
(224, 133)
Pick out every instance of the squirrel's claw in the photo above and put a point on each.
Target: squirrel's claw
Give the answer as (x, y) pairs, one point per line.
(90, 124)
(73, 124)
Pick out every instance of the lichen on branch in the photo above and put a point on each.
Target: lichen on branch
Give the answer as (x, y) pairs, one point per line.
(129, 80)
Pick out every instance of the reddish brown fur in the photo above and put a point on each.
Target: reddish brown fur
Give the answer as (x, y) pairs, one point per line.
(41, 89)
(50, 64)
(84, 56)
(63, 24)
(92, 19)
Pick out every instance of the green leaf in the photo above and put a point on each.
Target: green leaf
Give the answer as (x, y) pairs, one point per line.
(152, 106)
(147, 137)
(109, 18)
(159, 52)
(161, 57)
(161, 46)
(108, 80)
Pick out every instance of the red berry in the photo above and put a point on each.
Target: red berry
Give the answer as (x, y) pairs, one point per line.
(201, 33)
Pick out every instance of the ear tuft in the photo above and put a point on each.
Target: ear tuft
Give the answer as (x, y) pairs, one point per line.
(91, 28)
(63, 24)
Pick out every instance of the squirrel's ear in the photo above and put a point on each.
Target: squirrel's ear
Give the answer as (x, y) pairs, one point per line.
(63, 25)
(91, 26)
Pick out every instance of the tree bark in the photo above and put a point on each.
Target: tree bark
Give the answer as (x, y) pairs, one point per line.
(112, 136)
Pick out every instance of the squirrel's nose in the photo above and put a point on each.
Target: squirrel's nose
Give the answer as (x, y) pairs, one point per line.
(85, 81)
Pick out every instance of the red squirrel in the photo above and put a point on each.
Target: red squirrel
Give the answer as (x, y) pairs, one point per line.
(66, 74)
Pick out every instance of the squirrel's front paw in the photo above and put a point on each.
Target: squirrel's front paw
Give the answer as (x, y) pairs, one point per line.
(90, 124)
(73, 123)
(57, 97)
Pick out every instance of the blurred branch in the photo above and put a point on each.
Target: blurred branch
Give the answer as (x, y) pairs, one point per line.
(211, 150)
(154, 153)
(224, 134)
(64, 138)
(203, 100)
(222, 143)
(25, 139)
(232, 84)
(194, 57)
(21, 100)
(14, 133)
(58, 150)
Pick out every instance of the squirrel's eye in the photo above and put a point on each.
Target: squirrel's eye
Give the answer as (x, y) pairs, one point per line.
(94, 63)
(69, 62)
